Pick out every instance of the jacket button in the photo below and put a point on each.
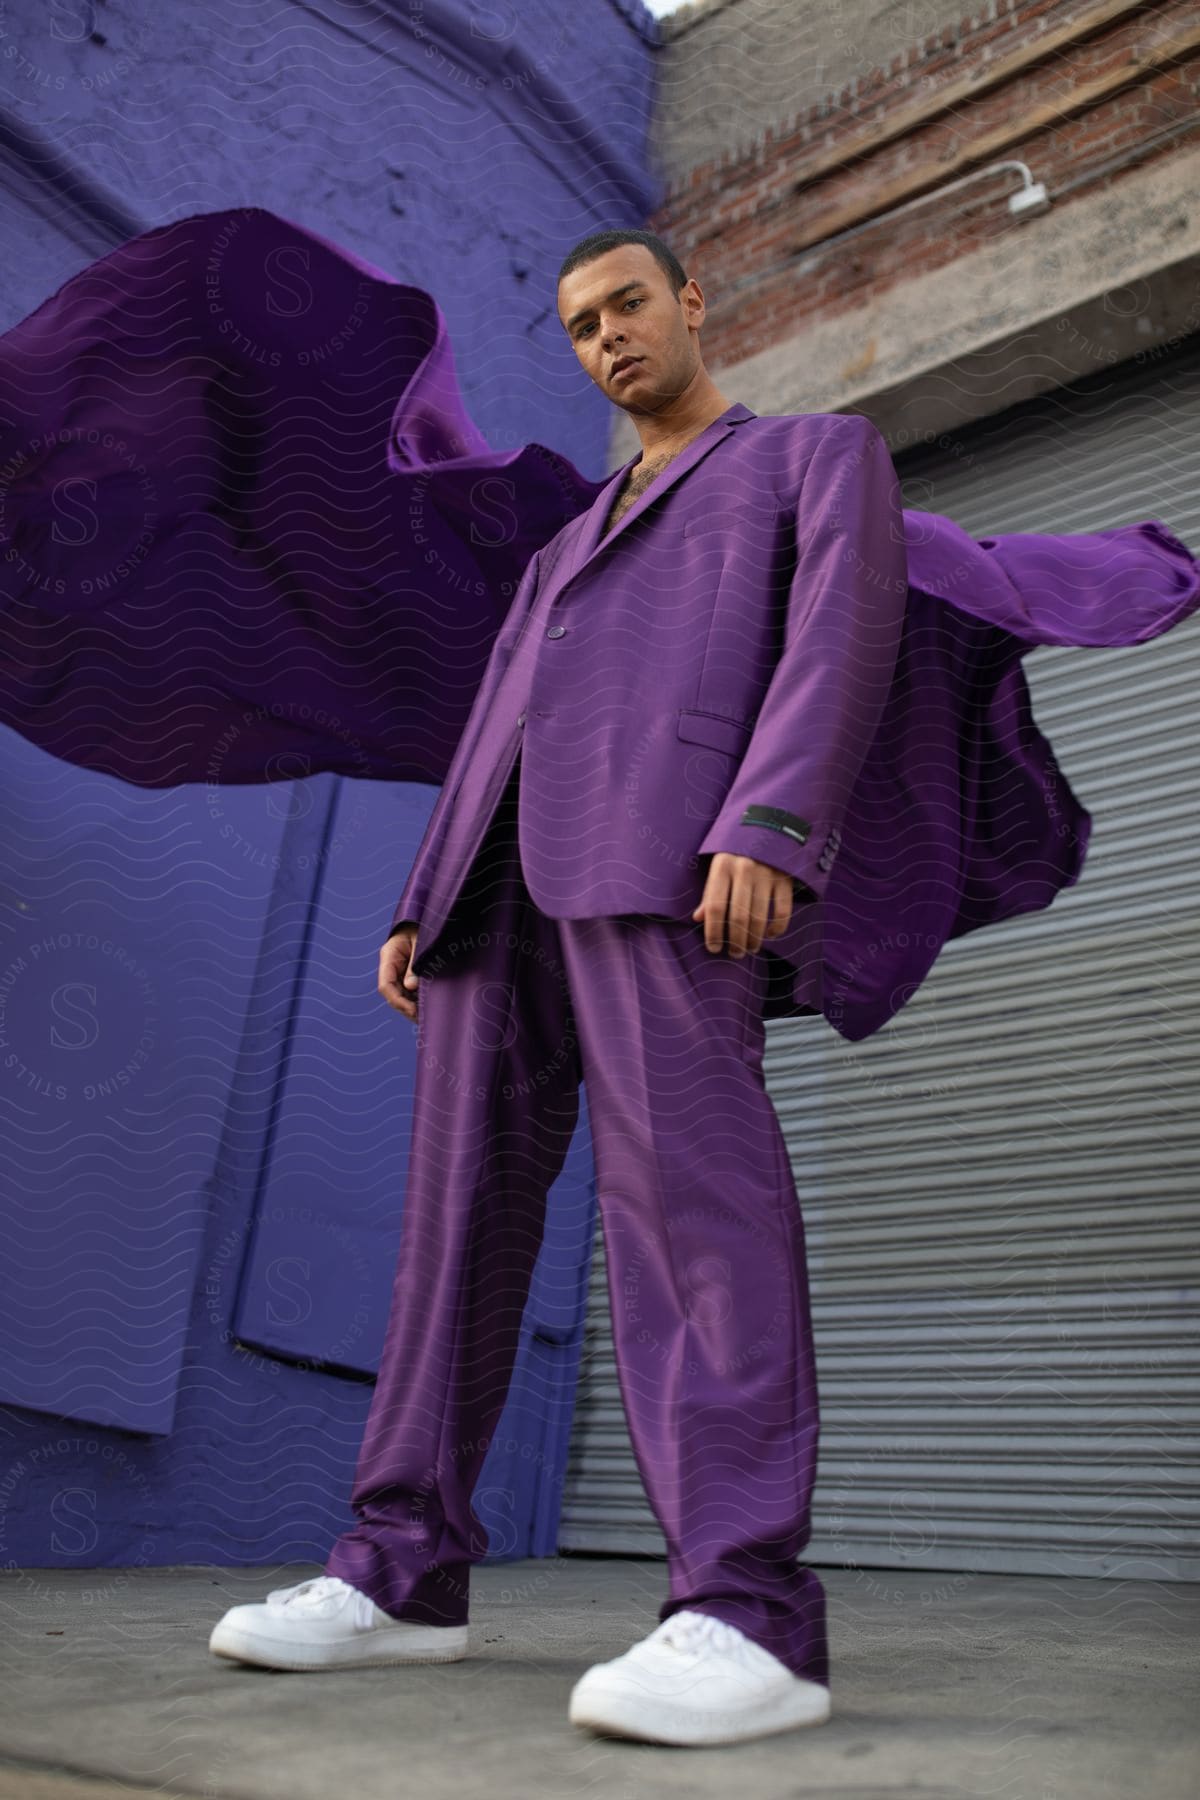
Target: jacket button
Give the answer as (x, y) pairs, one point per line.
(556, 631)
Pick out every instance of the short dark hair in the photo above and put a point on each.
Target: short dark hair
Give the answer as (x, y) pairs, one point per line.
(599, 242)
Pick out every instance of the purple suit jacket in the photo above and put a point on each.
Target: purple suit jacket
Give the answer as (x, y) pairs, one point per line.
(707, 676)
(242, 542)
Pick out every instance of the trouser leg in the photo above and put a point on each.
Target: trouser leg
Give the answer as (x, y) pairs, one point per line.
(708, 1282)
(495, 1105)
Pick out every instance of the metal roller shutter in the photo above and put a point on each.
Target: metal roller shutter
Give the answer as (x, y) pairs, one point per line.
(1004, 1248)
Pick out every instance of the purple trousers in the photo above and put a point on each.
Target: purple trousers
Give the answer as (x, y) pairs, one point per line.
(704, 1246)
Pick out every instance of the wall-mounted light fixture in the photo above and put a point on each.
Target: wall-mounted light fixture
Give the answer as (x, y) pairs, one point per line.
(1031, 197)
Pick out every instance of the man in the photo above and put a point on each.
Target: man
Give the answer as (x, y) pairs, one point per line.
(647, 793)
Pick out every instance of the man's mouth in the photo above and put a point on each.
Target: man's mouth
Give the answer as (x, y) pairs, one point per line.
(624, 363)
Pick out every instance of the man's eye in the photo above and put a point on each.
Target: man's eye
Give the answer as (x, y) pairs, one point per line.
(633, 301)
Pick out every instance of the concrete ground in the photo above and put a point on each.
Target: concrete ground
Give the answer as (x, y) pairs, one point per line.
(943, 1686)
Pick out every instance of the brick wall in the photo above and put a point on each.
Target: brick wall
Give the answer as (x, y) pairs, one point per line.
(1091, 105)
(727, 65)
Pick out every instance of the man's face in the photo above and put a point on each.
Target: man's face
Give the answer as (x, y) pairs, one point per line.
(620, 306)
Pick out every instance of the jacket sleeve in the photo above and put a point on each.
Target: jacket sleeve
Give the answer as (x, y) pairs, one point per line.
(845, 612)
(412, 898)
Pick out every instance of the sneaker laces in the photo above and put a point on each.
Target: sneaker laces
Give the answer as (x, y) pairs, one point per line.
(692, 1631)
(310, 1594)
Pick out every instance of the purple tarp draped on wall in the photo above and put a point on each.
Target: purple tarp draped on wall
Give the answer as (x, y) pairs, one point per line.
(248, 533)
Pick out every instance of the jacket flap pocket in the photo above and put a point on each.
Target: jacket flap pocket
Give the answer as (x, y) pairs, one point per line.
(717, 732)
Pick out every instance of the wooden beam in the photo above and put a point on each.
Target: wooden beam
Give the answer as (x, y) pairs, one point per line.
(874, 133)
(831, 219)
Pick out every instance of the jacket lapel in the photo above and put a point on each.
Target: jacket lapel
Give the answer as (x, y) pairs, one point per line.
(593, 539)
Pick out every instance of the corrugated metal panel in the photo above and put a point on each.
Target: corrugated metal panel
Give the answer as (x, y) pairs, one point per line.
(1004, 1242)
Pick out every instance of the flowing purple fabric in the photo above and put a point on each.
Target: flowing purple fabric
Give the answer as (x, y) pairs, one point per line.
(250, 533)
(248, 530)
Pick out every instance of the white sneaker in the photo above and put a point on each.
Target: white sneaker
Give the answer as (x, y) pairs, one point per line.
(327, 1624)
(696, 1680)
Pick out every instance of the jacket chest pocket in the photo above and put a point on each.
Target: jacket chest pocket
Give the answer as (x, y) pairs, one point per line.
(739, 572)
(750, 525)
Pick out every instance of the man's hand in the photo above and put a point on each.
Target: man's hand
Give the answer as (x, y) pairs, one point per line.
(397, 983)
(744, 891)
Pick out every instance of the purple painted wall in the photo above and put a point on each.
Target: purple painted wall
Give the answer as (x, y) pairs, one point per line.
(203, 1174)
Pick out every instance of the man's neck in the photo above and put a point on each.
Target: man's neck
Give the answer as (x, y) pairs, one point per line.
(663, 433)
